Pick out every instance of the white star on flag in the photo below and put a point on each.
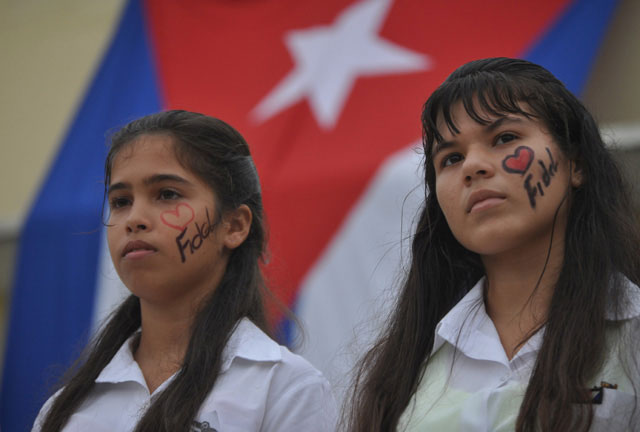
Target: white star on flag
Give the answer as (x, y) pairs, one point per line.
(330, 58)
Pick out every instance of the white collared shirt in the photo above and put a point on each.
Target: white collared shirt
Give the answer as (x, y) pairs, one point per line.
(262, 386)
(482, 390)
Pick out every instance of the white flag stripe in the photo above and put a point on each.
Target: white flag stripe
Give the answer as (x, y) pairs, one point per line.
(110, 290)
(346, 295)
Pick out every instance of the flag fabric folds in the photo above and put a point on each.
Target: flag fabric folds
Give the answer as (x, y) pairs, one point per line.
(328, 95)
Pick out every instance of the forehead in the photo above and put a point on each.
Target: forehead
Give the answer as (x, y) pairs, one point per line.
(150, 158)
(460, 118)
(152, 151)
(459, 115)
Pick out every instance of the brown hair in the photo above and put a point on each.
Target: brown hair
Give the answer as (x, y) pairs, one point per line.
(601, 248)
(219, 155)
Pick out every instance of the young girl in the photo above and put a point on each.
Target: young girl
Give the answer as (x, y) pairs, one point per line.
(188, 350)
(521, 309)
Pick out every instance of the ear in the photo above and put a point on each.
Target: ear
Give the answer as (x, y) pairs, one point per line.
(237, 224)
(577, 177)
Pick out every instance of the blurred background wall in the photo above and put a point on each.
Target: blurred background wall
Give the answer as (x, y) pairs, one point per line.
(49, 51)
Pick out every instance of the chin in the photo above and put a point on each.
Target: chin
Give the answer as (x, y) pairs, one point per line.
(489, 245)
(140, 284)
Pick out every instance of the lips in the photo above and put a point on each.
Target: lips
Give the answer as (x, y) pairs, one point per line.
(137, 248)
(482, 199)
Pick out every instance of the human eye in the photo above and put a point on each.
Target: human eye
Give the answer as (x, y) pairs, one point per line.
(450, 159)
(168, 195)
(505, 138)
(119, 202)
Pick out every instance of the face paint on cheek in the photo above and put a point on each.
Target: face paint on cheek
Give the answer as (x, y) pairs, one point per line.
(548, 172)
(519, 162)
(178, 218)
(531, 191)
(193, 244)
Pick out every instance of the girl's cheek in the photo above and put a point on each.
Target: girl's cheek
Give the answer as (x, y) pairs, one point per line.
(112, 220)
(194, 233)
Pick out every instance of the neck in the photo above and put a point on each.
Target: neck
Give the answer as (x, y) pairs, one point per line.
(164, 332)
(164, 339)
(519, 287)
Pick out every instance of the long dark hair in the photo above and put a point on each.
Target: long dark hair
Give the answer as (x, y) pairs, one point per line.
(601, 247)
(219, 155)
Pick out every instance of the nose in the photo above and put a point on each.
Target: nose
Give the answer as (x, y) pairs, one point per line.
(137, 219)
(477, 164)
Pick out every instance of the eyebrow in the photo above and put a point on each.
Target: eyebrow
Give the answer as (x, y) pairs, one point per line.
(502, 120)
(440, 146)
(443, 145)
(156, 178)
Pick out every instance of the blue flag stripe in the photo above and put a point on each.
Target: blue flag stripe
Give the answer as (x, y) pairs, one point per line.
(53, 294)
(568, 49)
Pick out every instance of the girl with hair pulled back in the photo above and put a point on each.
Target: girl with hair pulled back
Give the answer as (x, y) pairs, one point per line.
(189, 349)
(521, 307)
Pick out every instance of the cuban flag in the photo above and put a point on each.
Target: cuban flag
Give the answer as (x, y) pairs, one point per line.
(328, 94)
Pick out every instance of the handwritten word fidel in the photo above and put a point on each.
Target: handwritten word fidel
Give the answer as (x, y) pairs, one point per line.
(193, 244)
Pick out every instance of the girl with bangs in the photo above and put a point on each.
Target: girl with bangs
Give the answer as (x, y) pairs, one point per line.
(521, 307)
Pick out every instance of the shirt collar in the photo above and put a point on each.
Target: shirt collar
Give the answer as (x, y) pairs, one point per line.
(454, 319)
(631, 306)
(468, 327)
(123, 367)
(469, 316)
(247, 341)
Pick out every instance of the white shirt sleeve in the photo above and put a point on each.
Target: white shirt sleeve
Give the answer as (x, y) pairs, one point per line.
(300, 399)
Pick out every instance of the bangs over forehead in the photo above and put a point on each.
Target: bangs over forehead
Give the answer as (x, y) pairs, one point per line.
(485, 96)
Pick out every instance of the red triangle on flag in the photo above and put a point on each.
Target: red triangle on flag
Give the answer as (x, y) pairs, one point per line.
(349, 79)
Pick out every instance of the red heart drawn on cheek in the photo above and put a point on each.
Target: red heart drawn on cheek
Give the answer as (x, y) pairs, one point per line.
(178, 218)
(518, 162)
